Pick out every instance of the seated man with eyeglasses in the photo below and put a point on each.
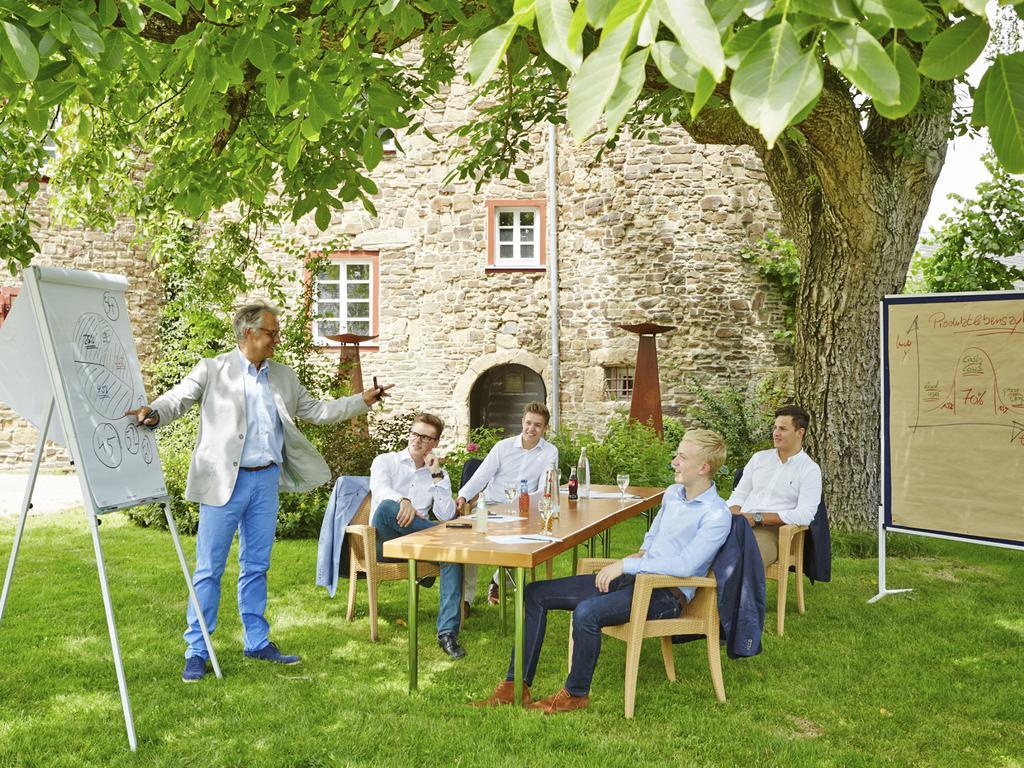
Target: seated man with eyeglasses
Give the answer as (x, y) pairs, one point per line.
(405, 488)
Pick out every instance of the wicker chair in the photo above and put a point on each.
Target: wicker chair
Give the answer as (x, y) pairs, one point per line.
(791, 558)
(362, 543)
(700, 617)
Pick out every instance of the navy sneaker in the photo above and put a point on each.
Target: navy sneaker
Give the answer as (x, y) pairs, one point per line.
(270, 652)
(195, 669)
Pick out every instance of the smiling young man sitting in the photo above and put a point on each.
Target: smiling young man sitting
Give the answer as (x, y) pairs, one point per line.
(690, 528)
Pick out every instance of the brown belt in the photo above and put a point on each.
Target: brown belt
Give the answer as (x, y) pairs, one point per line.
(257, 469)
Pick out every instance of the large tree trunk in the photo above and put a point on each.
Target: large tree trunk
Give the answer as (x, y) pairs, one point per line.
(853, 190)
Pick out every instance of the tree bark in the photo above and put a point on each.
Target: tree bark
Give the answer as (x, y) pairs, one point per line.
(853, 196)
(853, 190)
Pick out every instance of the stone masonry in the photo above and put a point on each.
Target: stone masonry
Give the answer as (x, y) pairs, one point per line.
(653, 231)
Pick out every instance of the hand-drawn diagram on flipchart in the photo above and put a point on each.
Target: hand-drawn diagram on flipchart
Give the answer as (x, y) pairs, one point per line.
(953, 378)
(100, 371)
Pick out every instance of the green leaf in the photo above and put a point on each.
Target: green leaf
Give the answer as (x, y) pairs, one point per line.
(828, 9)
(910, 84)
(1004, 110)
(577, 25)
(387, 6)
(691, 23)
(322, 217)
(923, 32)
(294, 152)
(597, 11)
(108, 12)
(648, 30)
(675, 66)
(133, 17)
(373, 148)
(705, 87)
(554, 18)
(862, 59)
(631, 81)
(592, 87)
(978, 119)
(165, 9)
(977, 7)
(902, 14)
(522, 176)
(775, 81)
(486, 52)
(952, 51)
(17, 50)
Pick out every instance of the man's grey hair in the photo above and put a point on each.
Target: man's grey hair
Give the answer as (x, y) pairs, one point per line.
(251, 317)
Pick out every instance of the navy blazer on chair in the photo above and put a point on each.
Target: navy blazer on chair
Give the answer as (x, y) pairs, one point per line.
(739, 571)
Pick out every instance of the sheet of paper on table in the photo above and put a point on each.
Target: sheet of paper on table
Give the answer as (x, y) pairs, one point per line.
(526, 538)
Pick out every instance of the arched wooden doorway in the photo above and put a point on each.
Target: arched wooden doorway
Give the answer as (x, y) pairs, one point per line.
(499, 395)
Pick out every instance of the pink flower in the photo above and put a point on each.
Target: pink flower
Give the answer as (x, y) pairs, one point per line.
(472, 447)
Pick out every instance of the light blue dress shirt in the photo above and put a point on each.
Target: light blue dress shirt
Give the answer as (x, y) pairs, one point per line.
(264, 433)
(685, 536)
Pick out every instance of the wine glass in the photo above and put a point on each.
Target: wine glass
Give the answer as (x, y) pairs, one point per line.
(510, 495)
(623, 483)
(545, 508)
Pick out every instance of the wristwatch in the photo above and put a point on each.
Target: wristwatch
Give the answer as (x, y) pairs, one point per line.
(437, 475)
(758, 519)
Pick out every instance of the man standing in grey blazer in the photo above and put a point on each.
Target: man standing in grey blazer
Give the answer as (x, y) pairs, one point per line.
(248, 448)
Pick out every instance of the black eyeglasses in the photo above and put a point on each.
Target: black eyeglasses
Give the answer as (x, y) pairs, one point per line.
(422, 438)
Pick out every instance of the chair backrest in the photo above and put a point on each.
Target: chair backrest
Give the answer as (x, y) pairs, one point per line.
(362, 515)
(469, 469)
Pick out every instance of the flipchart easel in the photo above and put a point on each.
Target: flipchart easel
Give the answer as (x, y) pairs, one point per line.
(56, 420)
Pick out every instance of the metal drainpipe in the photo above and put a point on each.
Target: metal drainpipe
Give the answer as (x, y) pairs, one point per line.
(552, 235)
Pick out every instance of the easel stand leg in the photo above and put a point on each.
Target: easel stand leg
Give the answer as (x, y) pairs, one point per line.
(882, 591)
(191, 589)
(115, 645)
(25, 506)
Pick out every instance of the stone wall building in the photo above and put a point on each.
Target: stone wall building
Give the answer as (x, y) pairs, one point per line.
(455, 283)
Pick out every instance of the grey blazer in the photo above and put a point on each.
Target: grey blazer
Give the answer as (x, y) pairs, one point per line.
(218, 386)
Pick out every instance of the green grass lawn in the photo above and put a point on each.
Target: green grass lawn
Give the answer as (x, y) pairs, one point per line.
(933, 677)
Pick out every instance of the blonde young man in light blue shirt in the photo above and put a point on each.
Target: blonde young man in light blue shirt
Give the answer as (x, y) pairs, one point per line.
(692, 525)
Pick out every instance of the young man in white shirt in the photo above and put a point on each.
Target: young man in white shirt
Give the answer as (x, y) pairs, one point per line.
(405, 488)
(685, 537)
(779, 486)
(526, 456)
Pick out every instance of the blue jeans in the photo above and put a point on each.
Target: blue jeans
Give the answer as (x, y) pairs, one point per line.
(449, 613)
(591, 610)
(252, 511)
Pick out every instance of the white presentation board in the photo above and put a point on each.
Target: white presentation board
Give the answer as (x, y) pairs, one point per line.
(96, 372)
(953, 415)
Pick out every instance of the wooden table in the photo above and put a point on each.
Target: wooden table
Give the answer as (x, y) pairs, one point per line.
(578, 521)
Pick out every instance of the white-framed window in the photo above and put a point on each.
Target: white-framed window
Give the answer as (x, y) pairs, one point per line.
(618, 382)
(516, 234)
(345, 297)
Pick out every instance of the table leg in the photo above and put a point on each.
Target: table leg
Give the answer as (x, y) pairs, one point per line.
(575, 559)
(501, 599)
(520, 583)
(607, 543)
(413, 633)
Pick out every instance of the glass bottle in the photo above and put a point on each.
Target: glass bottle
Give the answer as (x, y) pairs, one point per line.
(583, 473)
(480, 514)
(524, 499)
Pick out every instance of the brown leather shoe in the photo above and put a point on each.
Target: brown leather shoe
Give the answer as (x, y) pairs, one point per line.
(563, 701)
(505, 693)
(492, 594)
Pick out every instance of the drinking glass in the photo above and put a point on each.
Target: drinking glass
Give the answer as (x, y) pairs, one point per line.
(510, 496)
(623, 482)
(546, 517)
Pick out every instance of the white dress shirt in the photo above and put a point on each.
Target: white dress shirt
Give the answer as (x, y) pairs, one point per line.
(395, 476)
(506, 464)
(790, 489)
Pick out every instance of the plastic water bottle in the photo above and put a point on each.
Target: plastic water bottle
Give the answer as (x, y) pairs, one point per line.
(583, 473)
(480, 515)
